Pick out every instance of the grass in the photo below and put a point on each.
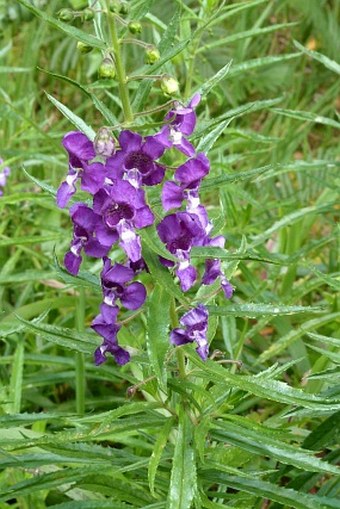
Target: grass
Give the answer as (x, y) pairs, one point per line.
(214, 434)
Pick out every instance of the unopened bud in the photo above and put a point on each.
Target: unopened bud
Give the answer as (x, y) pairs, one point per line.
(83, 48)
(107, 69)
(88, 14)
(114, 6)
(65, 15)
(169, 85)
(124, 8)
(135, 27)
(152, 55)
(104, 144)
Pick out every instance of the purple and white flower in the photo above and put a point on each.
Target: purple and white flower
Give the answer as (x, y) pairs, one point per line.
(195, 323)
(81, 152)
(6, 171)
(122, 208)
(85, 224)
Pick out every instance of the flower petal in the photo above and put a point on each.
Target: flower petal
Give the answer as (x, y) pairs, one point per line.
(134, 296)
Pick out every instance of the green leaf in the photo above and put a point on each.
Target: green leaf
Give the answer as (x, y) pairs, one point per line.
(162, 438)
(7, 69)
(307, 116)
(212, 183)
(254, 310)
(161, 275)
(157, 337)
(223, 254)
(257, 63)
(256, 441)
(263, 388)
(214, 80)
(73, 118)
(327, 62)
(183, 473)
(288, 339)
(264, 489)
(208, 141)
(66, 338)
(70, 30)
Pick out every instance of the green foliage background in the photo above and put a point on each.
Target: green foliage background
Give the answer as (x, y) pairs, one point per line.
(258, 432)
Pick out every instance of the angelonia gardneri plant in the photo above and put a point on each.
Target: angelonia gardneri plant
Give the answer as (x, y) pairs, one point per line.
(115, 174)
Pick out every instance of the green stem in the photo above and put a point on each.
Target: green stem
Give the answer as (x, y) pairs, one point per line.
(123, 90)
(80, 361)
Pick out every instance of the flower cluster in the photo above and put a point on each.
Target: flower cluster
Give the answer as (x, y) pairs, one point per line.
(116, 174)
(3, 176)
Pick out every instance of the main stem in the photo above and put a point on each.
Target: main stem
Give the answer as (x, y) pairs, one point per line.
(121, 77)
(80, 360)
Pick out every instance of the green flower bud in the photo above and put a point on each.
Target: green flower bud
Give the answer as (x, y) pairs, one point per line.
(65, 15)
(135, 27)
(114, 6)
(107, 69)
(124, 9)
(169, 85)
(152, 55)
(83, 48)
(88, 14)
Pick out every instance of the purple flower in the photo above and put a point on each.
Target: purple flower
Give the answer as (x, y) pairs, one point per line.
(3, 176)
(189, 177)
(85, 223)
(212, 272)
(180, 232)
(182, 124)
(81, 151)
(116, 284)
(195, 324)
(109, 331)
(136, 161)
(122, 208)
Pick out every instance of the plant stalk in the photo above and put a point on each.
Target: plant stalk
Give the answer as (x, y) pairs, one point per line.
(80, 360)
(121, 77)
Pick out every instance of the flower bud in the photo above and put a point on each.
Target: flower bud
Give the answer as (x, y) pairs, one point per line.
(169, 85)
(104, 144)
(114, 6)
(124, 8)
(135, 27)
(88, 14)
(83, 48)
(152, 55)
(107, 69)
(65, 15)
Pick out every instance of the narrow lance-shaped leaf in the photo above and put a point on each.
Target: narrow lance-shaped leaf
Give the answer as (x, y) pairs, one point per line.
(157, 338)
(183, 473)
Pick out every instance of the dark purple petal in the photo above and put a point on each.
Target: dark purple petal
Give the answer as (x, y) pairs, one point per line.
(115, 165)
(203, 351)
(92, 177)
(155, 176)
(198, 315)
(99, 356)
(116, 273)
(100, 200)
(166, 263)
(185, 147)
(172, 196)
(106, 236)
(65, 192)
(179, 337)
(83, 216)
(193, 171)
(95, 249)
(153, 148)
(109, 313)
(122, 356)
(134, 296)
(227, 288)
(78, 146)
(130, 141)
(163, 137)
(187, 277)
(212, 271)
(185, 122)
(130, 242)
(72, 263)
(144, 217)
(218, 241)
